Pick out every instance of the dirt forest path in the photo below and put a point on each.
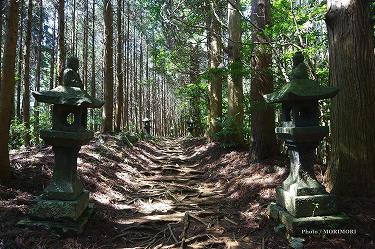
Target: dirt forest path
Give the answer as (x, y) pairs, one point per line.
(180, 209)
(160, 193)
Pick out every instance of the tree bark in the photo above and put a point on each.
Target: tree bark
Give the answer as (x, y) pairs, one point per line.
(26, 77)
(351, 170)
(263, 138)
(61, 17)
(7, 87)
(235, 88)
(1, 35)
(119, 71)
(108, 68)
(93, 63)
(194, 79)
(20, 60)
(53, 51)
(38, 70)
(216, 73)
(85, 45)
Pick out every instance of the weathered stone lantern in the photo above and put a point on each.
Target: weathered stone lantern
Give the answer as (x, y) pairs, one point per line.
(301, 201)
(147, 126)
(64, 203)
(190, 127)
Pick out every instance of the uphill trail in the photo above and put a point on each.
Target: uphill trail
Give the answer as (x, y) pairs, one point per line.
(177, 206)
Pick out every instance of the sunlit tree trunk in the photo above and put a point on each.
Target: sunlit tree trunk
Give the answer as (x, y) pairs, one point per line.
(119, 71)
(26, 77)
(263, 138)
(216, 74)
(7, 86)
(108, 68)
(235, 88)
(53, 55)
(61, 18)
(351, 170)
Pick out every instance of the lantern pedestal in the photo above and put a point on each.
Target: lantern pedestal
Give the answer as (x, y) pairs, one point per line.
(64, 204)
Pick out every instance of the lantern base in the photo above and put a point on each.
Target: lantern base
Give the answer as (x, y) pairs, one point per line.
(306, 205)
(60, 209)
(60, 225)
(318, 225)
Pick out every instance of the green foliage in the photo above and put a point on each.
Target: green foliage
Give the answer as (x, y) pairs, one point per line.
(129, 138)
(228, 130)
(18, 129)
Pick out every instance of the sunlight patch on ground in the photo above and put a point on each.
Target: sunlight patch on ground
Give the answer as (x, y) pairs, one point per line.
(151, 207)
(175, 217)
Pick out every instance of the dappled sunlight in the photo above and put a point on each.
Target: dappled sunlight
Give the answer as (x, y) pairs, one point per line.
(148, 207)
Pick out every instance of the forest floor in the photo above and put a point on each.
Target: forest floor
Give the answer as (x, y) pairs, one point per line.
(164, 193)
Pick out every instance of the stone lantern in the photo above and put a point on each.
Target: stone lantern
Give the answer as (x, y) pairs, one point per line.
(190, 127)
(147, 126)
(64, 204)
(301, 201)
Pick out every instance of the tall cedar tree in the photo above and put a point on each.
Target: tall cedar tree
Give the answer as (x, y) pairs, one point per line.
(235, 88)
(215, 68)
(1, 33)
(38, 74)
(20, 60)
(61, 18)
(93, 63)
(8, 85)
(194, 79)
(263, 138)
(119, 71)
(26, 77)
(351, 170)
(108, 68)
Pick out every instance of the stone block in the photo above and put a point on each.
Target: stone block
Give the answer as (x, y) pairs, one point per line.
(63, 225)
(60, 209)
(306, 206)
(295, 226)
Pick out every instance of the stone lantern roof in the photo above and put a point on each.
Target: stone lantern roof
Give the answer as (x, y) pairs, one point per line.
(300, 88)
(66, 95)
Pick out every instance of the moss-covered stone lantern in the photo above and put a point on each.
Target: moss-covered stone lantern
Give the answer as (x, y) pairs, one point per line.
(64, 203)
(302, 202)
(190, 127)
(147, 126)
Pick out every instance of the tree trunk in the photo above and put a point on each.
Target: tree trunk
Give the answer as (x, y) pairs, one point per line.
(26, 77)
(20, 60)
(108, 68)
(263, 138)
(119, 71)
(61, 40)
(85, 45)
(194, 79)
(216, 73)
(351, 170)
(73, 37)
(53, 49)
(38, 70)
(1, 35)
(235, 88)
(7, 87)
(93, 63)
